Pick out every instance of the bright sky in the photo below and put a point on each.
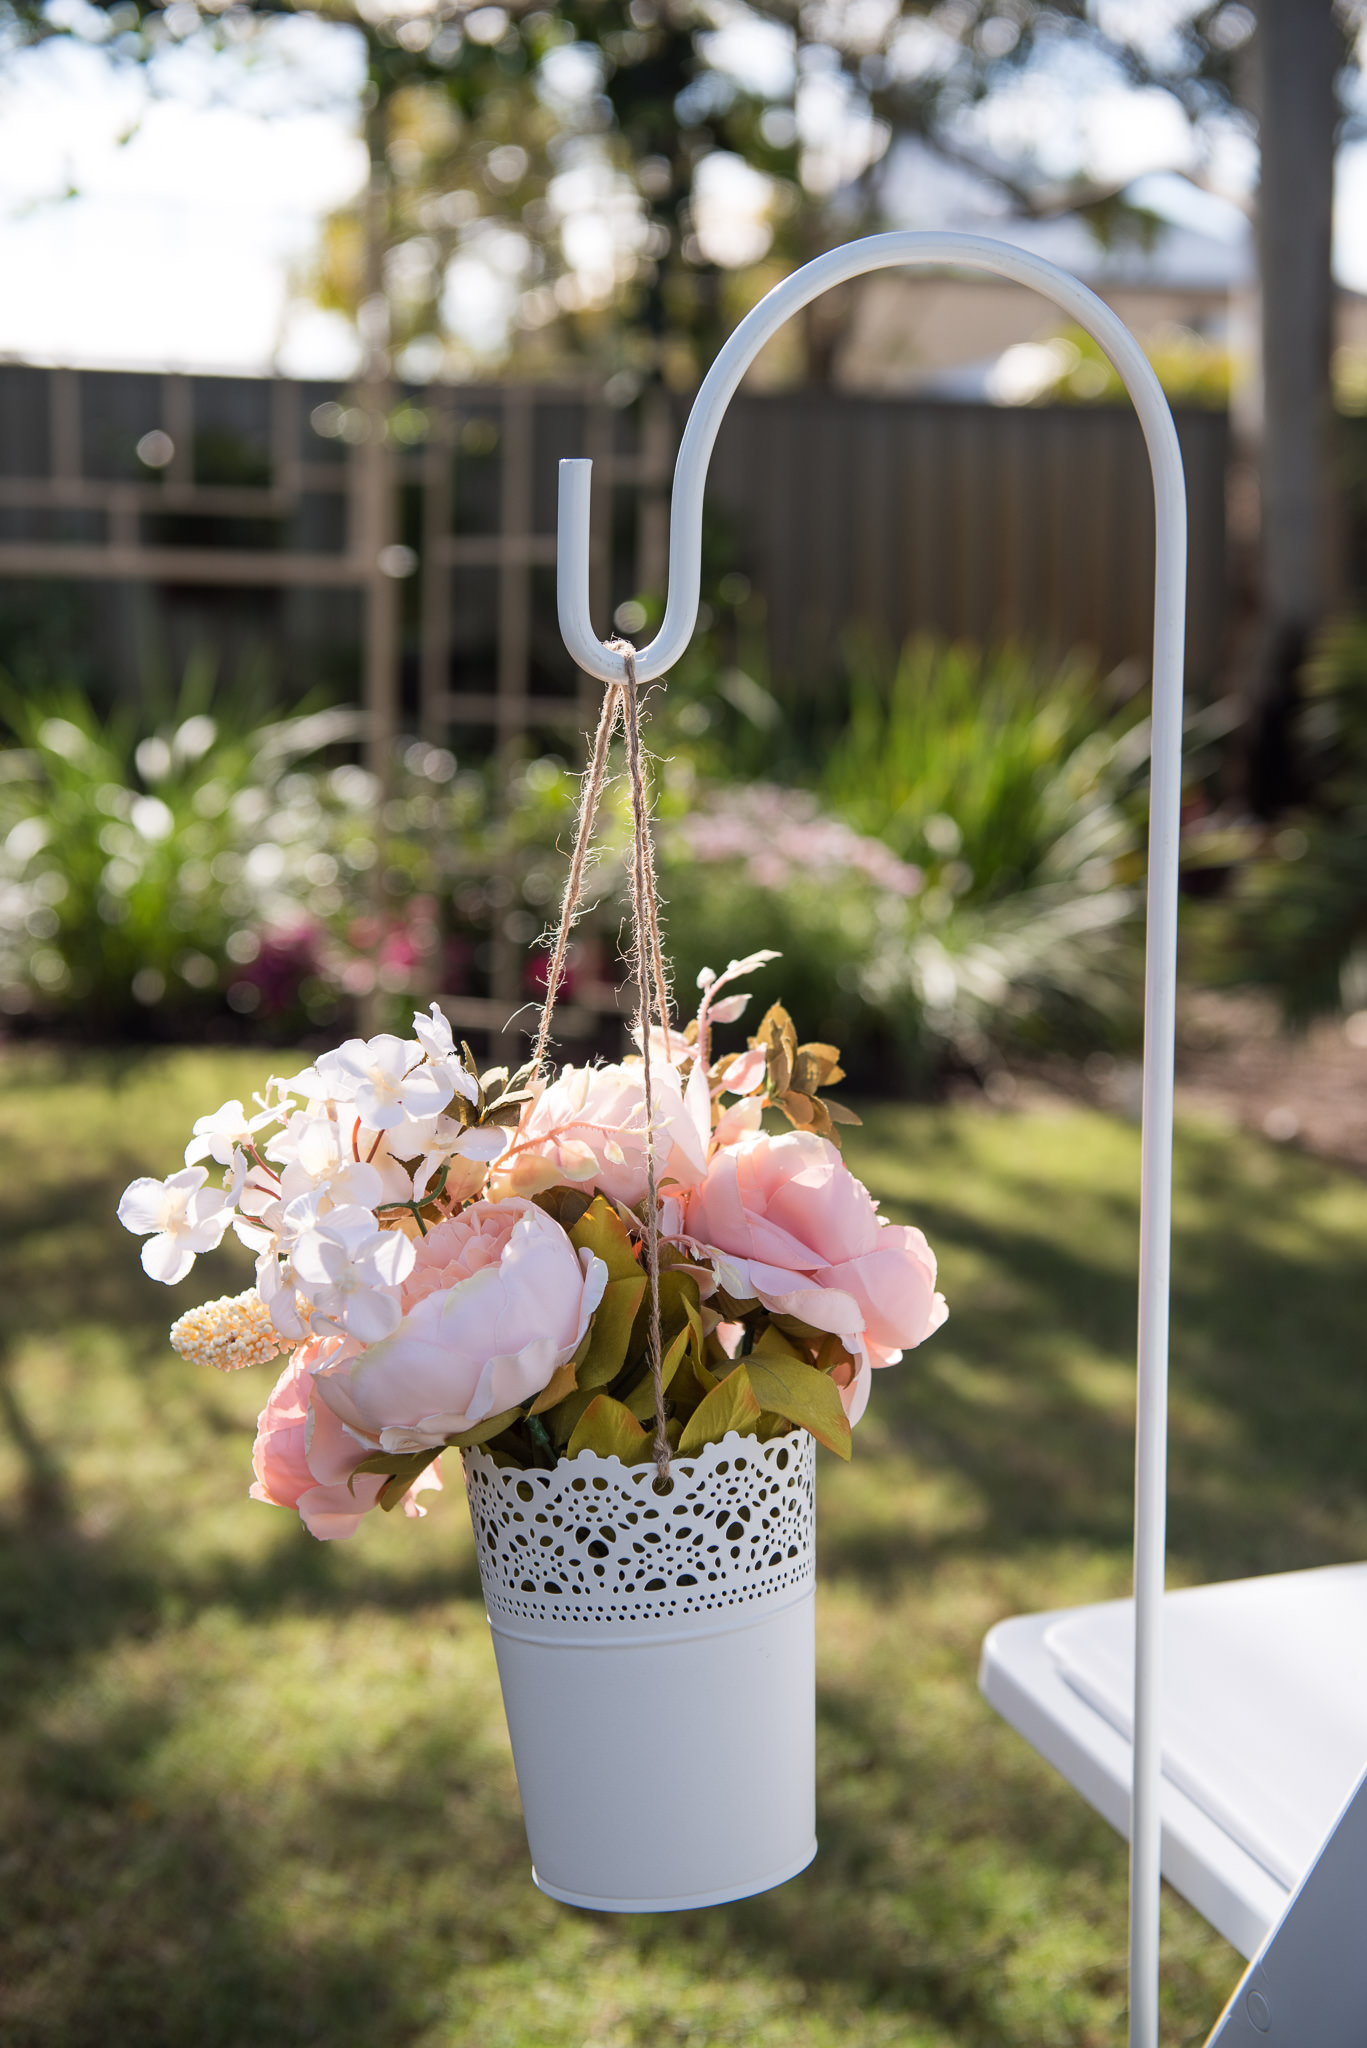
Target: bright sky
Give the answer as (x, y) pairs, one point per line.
(183, 242)
(180, 245)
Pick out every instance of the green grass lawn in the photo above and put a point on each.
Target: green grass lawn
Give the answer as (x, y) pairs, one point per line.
(256, 1790)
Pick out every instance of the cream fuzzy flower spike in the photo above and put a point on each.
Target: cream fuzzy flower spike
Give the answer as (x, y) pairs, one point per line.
(234, 1331)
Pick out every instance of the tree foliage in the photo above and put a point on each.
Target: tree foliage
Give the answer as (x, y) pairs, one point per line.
(508, 137)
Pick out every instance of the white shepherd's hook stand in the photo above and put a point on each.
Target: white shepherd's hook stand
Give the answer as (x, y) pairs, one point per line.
(973, 252)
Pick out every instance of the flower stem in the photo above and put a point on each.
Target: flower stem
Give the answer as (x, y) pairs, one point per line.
(541, 1440)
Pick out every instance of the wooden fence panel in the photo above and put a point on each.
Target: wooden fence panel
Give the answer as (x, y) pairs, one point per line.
(973, 521)
(898, 516)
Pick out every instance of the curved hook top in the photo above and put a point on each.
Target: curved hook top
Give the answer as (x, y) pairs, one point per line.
(974, 252)
(911, 249)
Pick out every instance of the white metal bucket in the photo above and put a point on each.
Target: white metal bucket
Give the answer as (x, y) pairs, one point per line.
(657, 1659)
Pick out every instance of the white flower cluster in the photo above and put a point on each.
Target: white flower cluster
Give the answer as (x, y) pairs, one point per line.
(309, 1174)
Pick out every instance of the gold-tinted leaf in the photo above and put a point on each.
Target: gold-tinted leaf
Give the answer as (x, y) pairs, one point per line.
(505, 1115)
(826, 1059)
(821, 1122)
(610, 1429)
(610, 1331)
(807, 1072)
(600, 1230)
(840, 1115)
(561, 1382)
(730, 1405)
(785, 1386)
(779, 1039)
(830, 1353)
(799, 1109)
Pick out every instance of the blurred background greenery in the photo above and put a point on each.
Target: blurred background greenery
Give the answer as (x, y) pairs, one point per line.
(950, 855)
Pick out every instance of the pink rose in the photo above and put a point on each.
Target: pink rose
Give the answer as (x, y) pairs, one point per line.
(589, 1126)
(498, 1299)
(797, 1231)
(304, 1459)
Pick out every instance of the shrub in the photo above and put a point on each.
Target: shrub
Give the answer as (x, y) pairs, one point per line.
(1296, 919)
(168, 882)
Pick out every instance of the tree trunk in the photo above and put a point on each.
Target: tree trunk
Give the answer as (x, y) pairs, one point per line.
(1299, 54)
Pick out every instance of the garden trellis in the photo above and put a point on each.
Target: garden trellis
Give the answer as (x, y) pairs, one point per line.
(971, 252)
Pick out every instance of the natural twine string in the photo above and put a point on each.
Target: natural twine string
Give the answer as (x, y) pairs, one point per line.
(590, 790)
(647, 961)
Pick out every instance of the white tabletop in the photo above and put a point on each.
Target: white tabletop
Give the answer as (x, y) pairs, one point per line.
(1264, 1725)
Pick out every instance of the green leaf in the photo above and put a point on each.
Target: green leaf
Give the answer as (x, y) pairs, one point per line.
(730, 1405)
(504, 1116)
(600, 1230)
(562, 1420)
(610, 1429)
(610, 1330)
(401, 1469)
(679, 1298)
(483, 1431)
(785, 1386)
(641, 1399)
(565, 1204)
(776, 1341)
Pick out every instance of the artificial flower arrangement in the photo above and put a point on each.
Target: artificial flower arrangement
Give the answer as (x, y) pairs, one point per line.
(456, 1260)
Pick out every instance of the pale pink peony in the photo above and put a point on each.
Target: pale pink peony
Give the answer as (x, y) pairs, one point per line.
(797, 1231)
(304, 1459)
(465, 1243)
(589, 1126)
(498, 1299)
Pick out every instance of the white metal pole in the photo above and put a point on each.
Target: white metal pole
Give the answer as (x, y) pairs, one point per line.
(975, 252)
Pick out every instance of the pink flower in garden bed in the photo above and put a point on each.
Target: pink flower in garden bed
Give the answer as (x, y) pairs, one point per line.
(783, 836)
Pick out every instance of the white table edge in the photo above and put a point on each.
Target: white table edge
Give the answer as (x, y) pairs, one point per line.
(1215, 1874)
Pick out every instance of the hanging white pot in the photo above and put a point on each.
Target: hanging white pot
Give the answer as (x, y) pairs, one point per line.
(657, 1658)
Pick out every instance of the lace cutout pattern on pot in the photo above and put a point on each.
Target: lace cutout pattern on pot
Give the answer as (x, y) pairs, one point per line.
(592, 1541)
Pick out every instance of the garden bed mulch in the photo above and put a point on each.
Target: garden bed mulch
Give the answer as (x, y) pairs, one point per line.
(1236, 1062)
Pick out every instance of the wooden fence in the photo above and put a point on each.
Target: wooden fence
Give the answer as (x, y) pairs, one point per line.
(263, 510)
(975, 521)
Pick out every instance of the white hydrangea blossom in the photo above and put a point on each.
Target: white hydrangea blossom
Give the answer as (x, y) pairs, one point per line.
(185, 1217)
(317, 1174)
(347, 1266)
